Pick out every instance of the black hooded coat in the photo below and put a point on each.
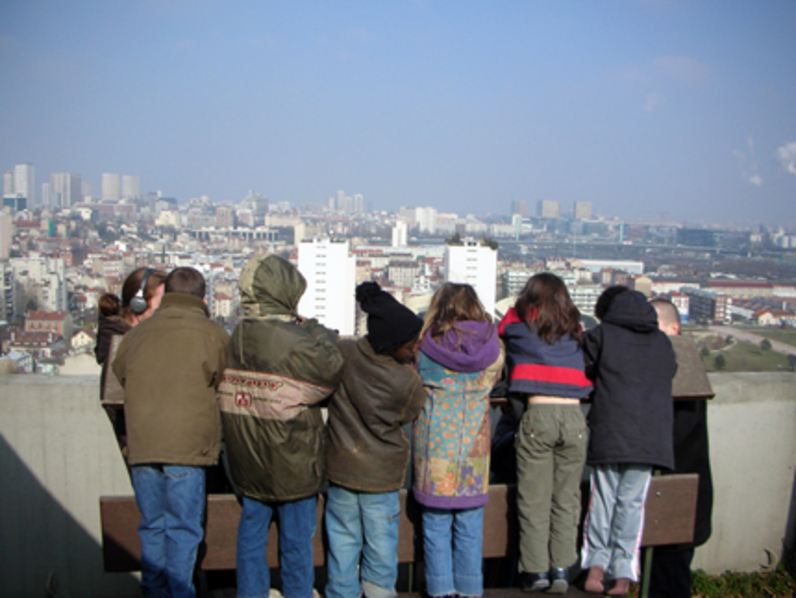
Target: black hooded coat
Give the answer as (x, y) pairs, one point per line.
(632, 364)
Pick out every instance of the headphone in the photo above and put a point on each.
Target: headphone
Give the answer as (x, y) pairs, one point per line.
(138, 303)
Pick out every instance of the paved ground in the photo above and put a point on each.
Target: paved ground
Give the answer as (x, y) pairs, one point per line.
(751, 337)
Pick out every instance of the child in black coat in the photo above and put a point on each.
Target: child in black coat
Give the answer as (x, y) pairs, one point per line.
(632, 364)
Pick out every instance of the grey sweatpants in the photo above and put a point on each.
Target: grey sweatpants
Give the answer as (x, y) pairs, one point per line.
(615, 521)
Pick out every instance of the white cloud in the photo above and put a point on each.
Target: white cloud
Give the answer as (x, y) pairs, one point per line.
(747, 163)
(684, 69)
(787, 156)
(654, 102)
(667, 70)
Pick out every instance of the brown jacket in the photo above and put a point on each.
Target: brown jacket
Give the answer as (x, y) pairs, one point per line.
(368, 448)
(170, 366)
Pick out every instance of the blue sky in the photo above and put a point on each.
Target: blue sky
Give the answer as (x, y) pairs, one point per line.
(639, 106)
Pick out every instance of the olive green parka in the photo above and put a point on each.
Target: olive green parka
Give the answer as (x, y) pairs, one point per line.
(279, 368)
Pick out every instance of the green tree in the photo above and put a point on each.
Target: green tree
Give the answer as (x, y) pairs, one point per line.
(765, 344)
(720, 362)
(705, 352)
(456, 239)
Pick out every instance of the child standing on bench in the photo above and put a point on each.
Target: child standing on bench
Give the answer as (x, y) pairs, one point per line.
(460, 360)
(368, 449)
(632, 364)
(543, 348)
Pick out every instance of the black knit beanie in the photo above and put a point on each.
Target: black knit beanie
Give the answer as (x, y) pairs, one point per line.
(390, 324)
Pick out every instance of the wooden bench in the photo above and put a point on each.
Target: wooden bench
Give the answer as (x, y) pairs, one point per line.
(669, 519)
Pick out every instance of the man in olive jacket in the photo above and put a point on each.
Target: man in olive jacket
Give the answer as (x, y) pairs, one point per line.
(170, 366)
(280, 366)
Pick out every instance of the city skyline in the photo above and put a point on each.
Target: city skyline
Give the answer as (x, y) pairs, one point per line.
(641, 107)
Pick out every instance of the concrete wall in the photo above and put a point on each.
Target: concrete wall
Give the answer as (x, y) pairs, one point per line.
(58, 456)
(752, 426)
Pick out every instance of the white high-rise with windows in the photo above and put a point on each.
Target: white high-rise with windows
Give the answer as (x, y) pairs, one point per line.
(330, 270)
(66, 190)
(111, 186)
(399, 234)
(25, 183)
(476, 265)
(131, 186)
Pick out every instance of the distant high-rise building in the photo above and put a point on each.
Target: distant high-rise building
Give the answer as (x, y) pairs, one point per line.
(330, 270)
(476, 265)
(46, 200)
(548, 208)
(111, 187)
(583, 210)
(427, 220)
(519, 207)
(131, 186)
(5, 236)
(225, 217)
(87, 189)
(66, 190)
(359, 203)
(24, 183)
(8, 183)
(399, 234)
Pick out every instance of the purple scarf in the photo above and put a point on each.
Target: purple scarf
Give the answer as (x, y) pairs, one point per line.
(477, 347)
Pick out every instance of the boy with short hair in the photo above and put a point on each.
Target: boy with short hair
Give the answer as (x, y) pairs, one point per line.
(632, 364)
(170, 366)
(671, 565)
(368, 448)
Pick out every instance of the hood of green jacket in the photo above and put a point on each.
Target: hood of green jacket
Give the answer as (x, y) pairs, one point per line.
(270, 286)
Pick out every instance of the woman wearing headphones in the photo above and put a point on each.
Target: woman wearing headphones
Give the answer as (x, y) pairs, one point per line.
(141, 293)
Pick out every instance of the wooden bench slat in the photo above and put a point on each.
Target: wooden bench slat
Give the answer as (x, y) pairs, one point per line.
(670, 513)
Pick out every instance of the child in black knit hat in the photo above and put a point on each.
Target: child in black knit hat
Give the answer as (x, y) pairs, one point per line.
(368, 448)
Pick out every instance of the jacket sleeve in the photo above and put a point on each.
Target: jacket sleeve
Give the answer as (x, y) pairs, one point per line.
(416, 402)
(592, 344)
(118, 365)
(323, 359)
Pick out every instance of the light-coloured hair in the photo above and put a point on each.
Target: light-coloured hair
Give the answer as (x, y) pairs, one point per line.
(453, 303)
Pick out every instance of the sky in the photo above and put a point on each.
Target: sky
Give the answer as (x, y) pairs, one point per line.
(676, 110)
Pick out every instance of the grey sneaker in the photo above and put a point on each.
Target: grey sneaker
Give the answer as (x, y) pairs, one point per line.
(534, 582)
(558, 581)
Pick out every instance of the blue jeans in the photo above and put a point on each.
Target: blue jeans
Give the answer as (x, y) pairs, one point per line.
(298, 521)
(171, 499)
(362, 524)
(453, 560)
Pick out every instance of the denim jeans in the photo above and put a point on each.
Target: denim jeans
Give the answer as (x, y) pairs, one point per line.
(453, 560)
(298, 521)
(362, 524)
(171, 499)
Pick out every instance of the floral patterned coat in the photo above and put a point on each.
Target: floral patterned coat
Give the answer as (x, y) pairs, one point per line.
(452, 436)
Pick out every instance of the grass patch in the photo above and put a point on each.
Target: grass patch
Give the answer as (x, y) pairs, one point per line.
(746, 357)
(783, 335)
(777, 583)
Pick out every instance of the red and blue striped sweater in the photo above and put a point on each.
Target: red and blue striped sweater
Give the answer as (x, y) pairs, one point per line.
(539, 368)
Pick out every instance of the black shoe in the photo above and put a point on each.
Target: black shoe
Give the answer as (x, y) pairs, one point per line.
(534, 582)
(558, 581)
